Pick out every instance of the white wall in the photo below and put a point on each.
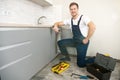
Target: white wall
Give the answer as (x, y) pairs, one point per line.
(106, 16)
(19, 11)
(53, 13)
(26, 12)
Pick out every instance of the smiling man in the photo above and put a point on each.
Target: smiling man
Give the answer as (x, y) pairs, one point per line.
(82, 28)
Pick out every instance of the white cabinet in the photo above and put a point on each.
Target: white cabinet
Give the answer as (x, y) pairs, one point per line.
(24, 51)
(43, 2)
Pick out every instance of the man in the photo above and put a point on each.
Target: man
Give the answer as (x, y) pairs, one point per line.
(82, 28)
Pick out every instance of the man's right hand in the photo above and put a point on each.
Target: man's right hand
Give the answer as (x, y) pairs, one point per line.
(56, 29)
(57, 25)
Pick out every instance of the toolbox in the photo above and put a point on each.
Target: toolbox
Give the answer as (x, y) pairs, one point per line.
(60, 67)
(102, 67)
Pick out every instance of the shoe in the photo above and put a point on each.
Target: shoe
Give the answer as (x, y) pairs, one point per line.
(88, 57)
(65, 59)
(90, 60)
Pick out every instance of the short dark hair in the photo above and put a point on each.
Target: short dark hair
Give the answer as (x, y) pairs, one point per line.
(74, 3)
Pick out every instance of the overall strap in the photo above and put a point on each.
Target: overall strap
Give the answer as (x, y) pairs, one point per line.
(80, 19)
(71, 21)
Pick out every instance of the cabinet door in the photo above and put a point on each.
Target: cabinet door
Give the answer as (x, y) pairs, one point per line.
(53, 44)
(15, 54)
(40, 47)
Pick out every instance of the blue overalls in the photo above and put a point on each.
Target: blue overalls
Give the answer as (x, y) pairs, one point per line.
(76, 41)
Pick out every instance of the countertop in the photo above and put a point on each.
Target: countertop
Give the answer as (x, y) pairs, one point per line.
(15, 25)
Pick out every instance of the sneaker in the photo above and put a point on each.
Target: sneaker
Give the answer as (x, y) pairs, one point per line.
(65, 59)
(90, 60)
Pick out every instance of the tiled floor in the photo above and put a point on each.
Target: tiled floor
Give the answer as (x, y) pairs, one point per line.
(47, 74)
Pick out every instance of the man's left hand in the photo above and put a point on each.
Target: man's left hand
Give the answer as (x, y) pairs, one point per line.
(85, 41)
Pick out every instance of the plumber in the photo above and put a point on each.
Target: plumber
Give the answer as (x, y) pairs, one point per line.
(82, 28)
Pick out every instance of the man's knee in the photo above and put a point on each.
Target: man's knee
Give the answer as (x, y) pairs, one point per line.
(60, 43)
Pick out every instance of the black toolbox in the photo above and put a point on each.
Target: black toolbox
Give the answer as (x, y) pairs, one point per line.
(102, 67)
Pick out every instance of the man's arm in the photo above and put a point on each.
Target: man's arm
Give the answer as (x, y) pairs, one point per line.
(57, 25)
(91, 30)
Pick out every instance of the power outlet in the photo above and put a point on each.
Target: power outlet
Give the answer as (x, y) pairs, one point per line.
(5, 12)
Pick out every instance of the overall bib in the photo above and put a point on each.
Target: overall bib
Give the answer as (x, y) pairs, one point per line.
(77, 35)
(76, 41)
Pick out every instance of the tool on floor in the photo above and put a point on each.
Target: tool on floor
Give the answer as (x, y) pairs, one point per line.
(60, 67)
(83, 77)
(102, 67)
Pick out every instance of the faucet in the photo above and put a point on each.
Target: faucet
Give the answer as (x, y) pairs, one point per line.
(39, 19)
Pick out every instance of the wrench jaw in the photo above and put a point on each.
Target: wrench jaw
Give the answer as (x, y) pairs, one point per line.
(75, 74)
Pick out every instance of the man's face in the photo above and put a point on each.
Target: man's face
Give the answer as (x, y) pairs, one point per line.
(74, 10)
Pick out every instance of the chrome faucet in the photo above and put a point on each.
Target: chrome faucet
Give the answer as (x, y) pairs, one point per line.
(39, 19)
